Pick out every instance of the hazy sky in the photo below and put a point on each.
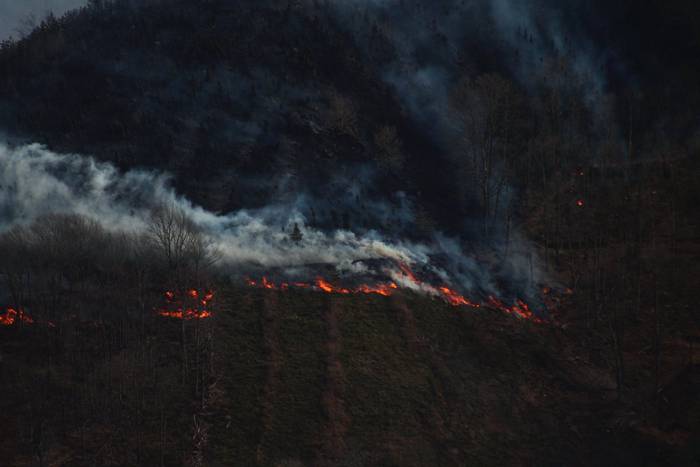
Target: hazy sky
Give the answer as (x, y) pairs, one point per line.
(13, 11)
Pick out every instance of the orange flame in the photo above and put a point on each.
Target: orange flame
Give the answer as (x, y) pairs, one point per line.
(408, 273)
(382, 289)
(186, 314)
(328, 288)
(196, 308)
(12, 316)
(455, 299)
(519, 309)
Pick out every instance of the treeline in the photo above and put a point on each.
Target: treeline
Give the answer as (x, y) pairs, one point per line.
(98, 371)
(60, 267)
(263, 91)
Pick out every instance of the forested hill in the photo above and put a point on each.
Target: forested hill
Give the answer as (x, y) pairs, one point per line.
(535, 163)
(243, 101)
(232, 98)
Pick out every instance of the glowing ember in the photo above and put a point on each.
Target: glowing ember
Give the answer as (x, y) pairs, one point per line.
(12, 316)
(519, 309)
(328, 288)
(191, 307)
(580, 203)
(408, 273)
(186, 314)
(381, 289)
(323, 285)
(453, 298)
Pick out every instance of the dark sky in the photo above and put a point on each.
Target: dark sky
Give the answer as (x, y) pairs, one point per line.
(12, 12)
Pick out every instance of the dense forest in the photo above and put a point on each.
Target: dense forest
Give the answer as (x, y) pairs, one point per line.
(182, 180)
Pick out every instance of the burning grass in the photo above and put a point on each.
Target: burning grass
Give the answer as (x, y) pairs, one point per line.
(403, 278)
(188, 305)
(12, 316)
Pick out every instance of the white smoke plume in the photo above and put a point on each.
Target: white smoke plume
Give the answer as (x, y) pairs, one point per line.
(35, 181)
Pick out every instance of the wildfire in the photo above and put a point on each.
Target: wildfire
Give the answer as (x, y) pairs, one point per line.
(519, 308)
(381, 289)
(455, 299)
(324, 286)
(12, 316)
(328, 288)
(193, 306)
(408, 273)
(186, 314)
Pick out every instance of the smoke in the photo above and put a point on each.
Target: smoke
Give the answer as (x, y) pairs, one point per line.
(430, 45)
(436, 42)
(540, 31)
(35, 181)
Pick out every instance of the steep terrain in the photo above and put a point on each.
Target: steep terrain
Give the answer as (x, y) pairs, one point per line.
(559, 137)
(302, 378)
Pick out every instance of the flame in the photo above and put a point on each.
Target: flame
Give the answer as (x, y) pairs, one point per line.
(381, 289)
(408, 273)
(12, 316)
(325, 286)
(195, 306)
(450, 296)
(186, 314)
(519, 309)
(455, 299)
(328, 288)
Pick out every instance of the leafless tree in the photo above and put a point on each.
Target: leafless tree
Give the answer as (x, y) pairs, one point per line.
(488, 108)
(182, 248)
(187, 254)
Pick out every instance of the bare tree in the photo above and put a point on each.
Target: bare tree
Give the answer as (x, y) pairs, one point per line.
(180, 245)
(187, 255)
(488, 107)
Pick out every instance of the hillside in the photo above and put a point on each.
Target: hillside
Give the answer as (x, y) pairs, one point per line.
(410, 233)
(302, 378)
(232, 107)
